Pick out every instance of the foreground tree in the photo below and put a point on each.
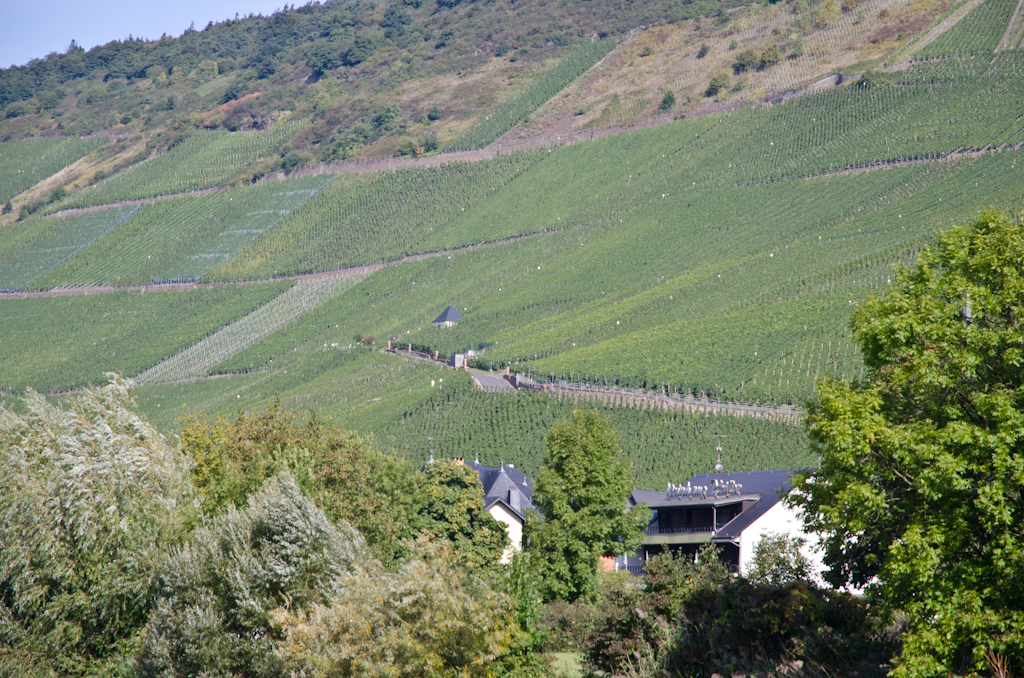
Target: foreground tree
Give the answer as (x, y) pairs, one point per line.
(581, 491)
(431, 619)
(452, 508)
(92, 496)
(216, 594)
(919, 494)
(343, 473)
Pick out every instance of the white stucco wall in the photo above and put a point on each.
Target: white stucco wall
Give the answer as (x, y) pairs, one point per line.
(513, 526)
(779, 518)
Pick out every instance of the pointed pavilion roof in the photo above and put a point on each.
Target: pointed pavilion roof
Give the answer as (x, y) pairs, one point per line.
(449, 315)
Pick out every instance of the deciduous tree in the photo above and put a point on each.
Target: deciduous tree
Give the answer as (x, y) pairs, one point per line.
(92, 497)
(581, 492)
(453, 509)
(919, 492)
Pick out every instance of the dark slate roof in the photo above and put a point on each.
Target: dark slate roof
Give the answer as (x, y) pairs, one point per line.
(764, 488)
(449, 315)
(506, 484)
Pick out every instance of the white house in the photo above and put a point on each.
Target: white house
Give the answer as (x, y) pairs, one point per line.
(507, 496)
(730, 510)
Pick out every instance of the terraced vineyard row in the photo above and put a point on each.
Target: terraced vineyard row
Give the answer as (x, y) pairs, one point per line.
(663, 446)
(202, 160)
(977, 33)
(196, 360)
(659, 297)
(25, 163)
(939, 108)
(61, 343)
(40, 245)
(519, 107)
(375, 217)
(356, 387)
(183, 239)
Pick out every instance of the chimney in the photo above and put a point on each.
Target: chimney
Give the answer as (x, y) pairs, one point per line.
(515, 499)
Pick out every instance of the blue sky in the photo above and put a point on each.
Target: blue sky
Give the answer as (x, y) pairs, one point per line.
(31, 29)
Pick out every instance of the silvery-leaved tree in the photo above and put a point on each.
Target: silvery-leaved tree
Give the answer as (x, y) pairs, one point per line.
(920, 494)
(92, 496)
(432, 618)
(216, 593)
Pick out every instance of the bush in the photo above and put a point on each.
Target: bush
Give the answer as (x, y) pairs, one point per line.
(344, 473)
(362, 49)
(92, 498)
(667, 101)
(798, 48)
(406, 147)
(217, 593)
(769, 57)
(692, 618)
(704, 50)
(747, 60)
(429, 619)
(743, 627)
(778, 560)
(827, 14)
(719, 83)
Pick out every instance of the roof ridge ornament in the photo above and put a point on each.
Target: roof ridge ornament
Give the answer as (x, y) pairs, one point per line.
(719, 466)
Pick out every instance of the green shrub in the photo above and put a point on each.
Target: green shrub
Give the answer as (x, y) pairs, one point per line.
(93, 496)
(217, 592)
(718, 83)
(344, 473)
(769, 57)
(427, 620)
(747, 60)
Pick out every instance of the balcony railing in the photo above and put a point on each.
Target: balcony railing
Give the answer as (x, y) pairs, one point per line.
(654, 528)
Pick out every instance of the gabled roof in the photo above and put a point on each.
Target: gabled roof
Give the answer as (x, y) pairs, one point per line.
(763, 488)
(506, 484)
(449, 315)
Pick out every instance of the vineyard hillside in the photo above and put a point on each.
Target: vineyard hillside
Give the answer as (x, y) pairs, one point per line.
(63, 343)
(710, 244)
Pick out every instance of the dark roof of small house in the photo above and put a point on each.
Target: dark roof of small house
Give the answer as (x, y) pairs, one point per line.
(449, 315)
(506, 484)
(764, 488)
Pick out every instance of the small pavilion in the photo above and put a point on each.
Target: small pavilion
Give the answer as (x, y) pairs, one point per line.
(448, 318)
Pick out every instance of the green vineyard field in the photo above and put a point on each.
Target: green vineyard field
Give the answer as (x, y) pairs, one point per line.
(977, 33)
(203, 160)
(61, 343)
(686, 292)
(663, 447)
(25, 163)
(41, 245)
(375, 217)
(183, 239)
